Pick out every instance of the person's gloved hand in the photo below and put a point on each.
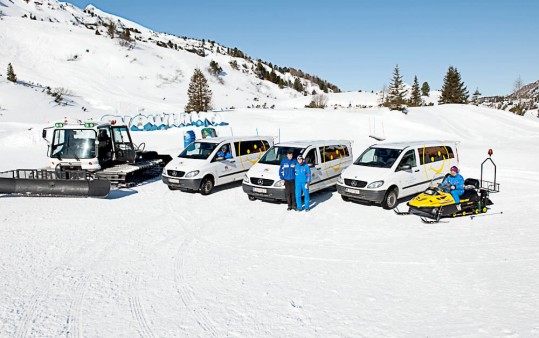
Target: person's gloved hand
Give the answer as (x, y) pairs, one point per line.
(307, 186)
(452, 187)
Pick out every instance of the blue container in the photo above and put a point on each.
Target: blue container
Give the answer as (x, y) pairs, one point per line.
(188, 138)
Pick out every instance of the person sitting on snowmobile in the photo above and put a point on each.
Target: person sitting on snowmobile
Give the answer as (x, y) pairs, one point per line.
(454, 184)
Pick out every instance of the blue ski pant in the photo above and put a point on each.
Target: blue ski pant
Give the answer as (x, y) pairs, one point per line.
(300, 188)
(456, 195)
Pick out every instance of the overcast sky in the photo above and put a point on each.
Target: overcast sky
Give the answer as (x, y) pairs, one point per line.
(356, 44)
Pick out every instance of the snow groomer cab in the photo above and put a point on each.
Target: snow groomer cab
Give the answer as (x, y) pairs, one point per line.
(385, 172)
(211, 162)
(327, 159)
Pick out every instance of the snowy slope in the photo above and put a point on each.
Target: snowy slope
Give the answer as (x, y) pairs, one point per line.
(60, 49)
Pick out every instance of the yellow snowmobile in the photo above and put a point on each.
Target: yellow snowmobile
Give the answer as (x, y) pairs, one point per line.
(435, 203)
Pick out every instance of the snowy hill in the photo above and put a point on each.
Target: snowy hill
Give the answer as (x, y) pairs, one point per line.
(55, 44)
(152, 262)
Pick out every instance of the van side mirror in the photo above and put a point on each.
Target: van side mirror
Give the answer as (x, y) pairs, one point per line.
(405, 167)
(44, 134)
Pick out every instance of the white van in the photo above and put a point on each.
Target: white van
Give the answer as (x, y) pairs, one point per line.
(202, 165)
(385, 172)
(327, 159)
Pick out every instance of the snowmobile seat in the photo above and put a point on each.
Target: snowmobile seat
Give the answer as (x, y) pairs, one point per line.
(471, 183)
(469, 194)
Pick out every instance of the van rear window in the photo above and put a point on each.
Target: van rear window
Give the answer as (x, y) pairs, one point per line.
(333, 152)
(435, 154)
(251, 147)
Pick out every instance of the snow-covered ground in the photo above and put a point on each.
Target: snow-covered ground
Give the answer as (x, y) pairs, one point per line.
(152, 262)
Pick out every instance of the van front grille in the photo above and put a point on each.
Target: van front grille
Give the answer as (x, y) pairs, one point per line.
(355, 183)
(175, 173)
(262, 181)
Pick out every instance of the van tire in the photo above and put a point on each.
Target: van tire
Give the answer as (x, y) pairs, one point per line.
(390, 199)
(206, 186)
(251, 198)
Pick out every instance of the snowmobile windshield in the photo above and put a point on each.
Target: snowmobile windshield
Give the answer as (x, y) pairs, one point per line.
(276, 154)
(73, 144)
(199, 150)
(378, 157)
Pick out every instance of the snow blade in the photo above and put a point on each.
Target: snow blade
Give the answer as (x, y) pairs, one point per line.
(45, 183)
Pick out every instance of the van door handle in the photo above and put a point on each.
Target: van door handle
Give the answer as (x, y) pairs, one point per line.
(318, 168)
(416, 170)
(233, 161)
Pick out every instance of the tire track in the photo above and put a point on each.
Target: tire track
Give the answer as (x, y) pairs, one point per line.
(35, 301)
(186, 293)
(39, 295)
(137, 311)
(74, 316)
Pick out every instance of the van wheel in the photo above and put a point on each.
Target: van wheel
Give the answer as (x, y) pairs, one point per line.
(390, 199)
(251, 198)
(345, 198)
(207, 186)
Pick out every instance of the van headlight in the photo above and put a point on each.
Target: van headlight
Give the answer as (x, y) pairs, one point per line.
(245, 178)
(375, 185)
(192, 174)
(339, 180)
(279, 184)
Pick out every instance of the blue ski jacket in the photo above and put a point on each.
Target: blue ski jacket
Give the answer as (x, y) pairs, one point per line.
(303, 173)
(457, 181)
(287, 170)
(226, 155)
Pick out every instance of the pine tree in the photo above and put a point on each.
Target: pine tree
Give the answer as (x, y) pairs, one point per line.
(111, 30)
(415, 99)
(297, 85)
(475, 97)
(453, 89)
(11, 74)
(215, 69)
(397, 91)
(199, 93)
(425, 89)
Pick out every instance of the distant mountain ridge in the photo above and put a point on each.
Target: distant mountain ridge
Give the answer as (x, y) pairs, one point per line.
(531, 91)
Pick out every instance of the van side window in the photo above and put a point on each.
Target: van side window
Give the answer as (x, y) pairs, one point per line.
(227, 153)
(408, 159)
(435, 154)
(333, 152)
(251, 147)
(311, 157)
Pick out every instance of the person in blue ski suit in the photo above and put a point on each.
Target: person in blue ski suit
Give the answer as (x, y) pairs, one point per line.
(303, 178)
(287, 173)
(224, 153)
(454, 184)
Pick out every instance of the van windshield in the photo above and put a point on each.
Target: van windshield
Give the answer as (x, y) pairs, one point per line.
(378, 157)
(199, 150)
(276, 154)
